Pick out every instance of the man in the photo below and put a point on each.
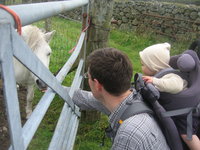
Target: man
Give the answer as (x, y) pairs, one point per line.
(109, 77)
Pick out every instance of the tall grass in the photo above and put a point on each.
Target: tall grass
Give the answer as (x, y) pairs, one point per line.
(89, 135)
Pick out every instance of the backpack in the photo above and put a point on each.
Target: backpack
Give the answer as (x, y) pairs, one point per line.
(187, 102)
(153, 108)
(165, 122)
(176, 104)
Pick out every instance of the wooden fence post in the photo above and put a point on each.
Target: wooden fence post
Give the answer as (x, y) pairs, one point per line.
(100, 13)
(47, 21)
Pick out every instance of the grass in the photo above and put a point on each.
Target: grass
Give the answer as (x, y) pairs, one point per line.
(89, 135)
(132, 43)
(64, 40)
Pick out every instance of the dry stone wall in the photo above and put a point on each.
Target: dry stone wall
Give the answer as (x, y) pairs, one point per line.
(175, 20)
(170, 19)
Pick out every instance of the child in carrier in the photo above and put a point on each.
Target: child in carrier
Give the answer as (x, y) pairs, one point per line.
(154, 59)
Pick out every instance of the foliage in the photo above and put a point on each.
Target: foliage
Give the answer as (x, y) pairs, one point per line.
(89, 135)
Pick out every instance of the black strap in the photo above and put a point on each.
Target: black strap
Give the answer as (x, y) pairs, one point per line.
(138, 82)
(136, 108)
(189, 111)
(163, 72)
(132, 109)
(148, 91)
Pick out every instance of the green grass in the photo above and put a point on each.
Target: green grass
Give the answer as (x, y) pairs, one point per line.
(65, 38)
(89, 135)
(132, 43)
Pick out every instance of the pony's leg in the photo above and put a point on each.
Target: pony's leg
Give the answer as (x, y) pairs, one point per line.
(29, 99)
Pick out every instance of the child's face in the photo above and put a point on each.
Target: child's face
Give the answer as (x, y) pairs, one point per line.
(146, 71)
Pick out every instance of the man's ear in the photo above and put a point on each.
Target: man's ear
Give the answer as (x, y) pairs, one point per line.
(98, 85)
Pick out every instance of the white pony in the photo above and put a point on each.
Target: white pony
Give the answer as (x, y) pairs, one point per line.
(38, 41)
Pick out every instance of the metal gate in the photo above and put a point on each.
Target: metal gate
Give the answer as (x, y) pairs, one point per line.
(10, 43)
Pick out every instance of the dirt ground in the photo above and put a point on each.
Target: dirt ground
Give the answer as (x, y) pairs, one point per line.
(4, 130)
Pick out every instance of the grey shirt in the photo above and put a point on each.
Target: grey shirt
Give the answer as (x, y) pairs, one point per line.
(139, 132)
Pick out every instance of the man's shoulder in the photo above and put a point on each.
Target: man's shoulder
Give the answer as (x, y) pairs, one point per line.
(141, 126)
(141, 131)
(141, 121)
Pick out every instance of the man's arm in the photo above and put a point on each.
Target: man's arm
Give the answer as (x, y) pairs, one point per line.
(86, 101)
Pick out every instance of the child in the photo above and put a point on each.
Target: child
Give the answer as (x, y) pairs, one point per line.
(154, 59)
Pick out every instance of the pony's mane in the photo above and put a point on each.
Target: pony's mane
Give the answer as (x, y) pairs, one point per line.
(33, 36)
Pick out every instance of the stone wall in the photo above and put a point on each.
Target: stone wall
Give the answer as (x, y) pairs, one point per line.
(175, 20)
(170, 19)
(195, 2)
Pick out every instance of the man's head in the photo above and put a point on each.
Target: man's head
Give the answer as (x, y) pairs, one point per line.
(112, 69)
(156, 57)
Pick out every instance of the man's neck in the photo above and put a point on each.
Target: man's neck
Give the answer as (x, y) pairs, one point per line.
(112, 102)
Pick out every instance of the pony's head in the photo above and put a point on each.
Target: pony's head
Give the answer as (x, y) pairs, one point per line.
(38, 41)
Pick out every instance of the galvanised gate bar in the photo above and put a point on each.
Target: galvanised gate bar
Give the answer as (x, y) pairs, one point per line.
(11, 44)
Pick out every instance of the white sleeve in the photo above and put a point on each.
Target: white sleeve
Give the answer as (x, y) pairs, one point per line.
(170, 83)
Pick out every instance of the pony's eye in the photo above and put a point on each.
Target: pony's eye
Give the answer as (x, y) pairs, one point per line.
(49, 54)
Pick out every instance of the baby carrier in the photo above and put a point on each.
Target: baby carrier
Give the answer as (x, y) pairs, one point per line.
(165, 105)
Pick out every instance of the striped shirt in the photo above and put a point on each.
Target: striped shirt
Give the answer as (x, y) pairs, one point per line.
(139, 132)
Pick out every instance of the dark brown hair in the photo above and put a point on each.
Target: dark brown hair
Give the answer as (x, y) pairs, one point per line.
(112, 68)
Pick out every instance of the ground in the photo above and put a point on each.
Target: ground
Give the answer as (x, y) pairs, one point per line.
(4, 130)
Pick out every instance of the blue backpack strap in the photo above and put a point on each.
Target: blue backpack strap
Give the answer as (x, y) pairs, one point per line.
(163, 72)
(136, 108)
(189, 111)
(168, 127)
(148, 91)
(166, 123)
(131, 110)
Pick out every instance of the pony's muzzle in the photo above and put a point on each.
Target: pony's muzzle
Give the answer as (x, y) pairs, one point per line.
(41, 85)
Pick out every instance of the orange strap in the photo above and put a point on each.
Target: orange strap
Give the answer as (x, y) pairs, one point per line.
(81, 32)
(72, 50)
(16, 18)
(87, 26)
(120, 121)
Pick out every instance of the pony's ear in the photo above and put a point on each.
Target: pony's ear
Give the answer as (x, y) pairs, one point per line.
(49, 35)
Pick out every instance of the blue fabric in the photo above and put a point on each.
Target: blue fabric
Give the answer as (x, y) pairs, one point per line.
(190, 97)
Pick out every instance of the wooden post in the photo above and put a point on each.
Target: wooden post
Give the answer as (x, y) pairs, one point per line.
(97, 37)
(47, 21)
(101, 12)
